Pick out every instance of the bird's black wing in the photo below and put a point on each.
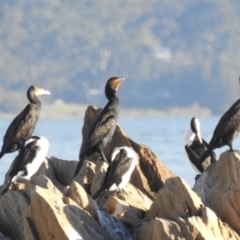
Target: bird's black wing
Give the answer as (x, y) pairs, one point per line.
(195, 151)
(25, 156)
(101, 128)
(117, 169)
(193, 156)
(21, 127)
(227, 123)
(212, 154)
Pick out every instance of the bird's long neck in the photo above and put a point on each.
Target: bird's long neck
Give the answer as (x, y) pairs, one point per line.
(114, 103)
(33, 99)
(112, 97)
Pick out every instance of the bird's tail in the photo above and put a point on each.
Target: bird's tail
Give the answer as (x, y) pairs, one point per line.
(213, 157)
(79, 165)
(1, 154)
(205, 155)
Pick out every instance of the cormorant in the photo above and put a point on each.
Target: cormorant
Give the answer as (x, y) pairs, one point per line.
(24, 124)
(226, 130)
(103, 129)
(28, 160)
(124, 160)
(195, 146)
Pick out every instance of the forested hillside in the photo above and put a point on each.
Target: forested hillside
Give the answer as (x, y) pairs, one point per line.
(172, 53)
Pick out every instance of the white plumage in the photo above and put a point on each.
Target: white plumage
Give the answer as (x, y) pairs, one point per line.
(126, 175)
(123, 162)
(28, 160)
(33, 161)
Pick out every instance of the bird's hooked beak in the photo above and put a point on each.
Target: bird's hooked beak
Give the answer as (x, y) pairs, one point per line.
(42, 91)
(116, 83)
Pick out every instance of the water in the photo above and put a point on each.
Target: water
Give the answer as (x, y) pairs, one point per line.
(163, 135)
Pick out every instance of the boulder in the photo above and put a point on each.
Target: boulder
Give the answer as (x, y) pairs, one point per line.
(151, 174)
(110, 224)
(129, 205)
(157, 229)
(174, 200)
(99, 176)
(219, 188)
(41, 213)
(49, 171)
(178, 213)
(206, 226)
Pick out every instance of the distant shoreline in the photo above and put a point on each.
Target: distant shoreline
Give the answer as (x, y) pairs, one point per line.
(75, 111)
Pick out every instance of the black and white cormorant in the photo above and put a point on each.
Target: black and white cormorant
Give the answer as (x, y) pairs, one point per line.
(28, 160)
(226, 130)
(24, 124)
(195, 146)
(124, 160)
(103, 129)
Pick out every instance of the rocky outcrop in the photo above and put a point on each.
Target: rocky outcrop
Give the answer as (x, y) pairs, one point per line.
(219, 188)
(41, 213)
(154, 205)
(205, 226)
(178, 213)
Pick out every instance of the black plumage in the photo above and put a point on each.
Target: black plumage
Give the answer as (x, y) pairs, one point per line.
(28, 160)
(24, 124)
(119, 171)
(103, 129)
(195, 146)
(226, 130)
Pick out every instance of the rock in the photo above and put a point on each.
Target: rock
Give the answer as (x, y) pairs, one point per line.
(44, 182)
(151, 174)
(130, 195)
(178, 213)
(110, 224)
(99, 176)
(175, 199)
(219, 188)
(13, 220)
(130, 215)
(190, 228)
(63, 220)
(63, 170)
(48, 170)
(77, 193)
(85, 175)
(129, 205)
(41, 213)
(157, 229)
